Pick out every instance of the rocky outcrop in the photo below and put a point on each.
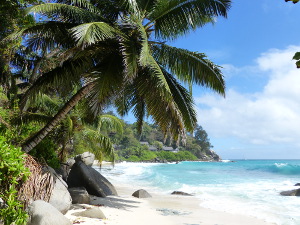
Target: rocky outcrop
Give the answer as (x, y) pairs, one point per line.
(295, 192)
(91, 213)
(65, 168)
(85, 176)
(86, 157)
(209, 155)
(180, 193)
(43, 213)
(141, 194)
(79, 195)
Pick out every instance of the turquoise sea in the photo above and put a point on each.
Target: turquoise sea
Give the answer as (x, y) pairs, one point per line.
(249, 187)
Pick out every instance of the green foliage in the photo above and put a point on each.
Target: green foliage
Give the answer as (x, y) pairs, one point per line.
(45, 151)
(138, 154)
(179, 156)
(294, 1)
(12, 172)
(202, 139)
(297, 57)
(158, 145)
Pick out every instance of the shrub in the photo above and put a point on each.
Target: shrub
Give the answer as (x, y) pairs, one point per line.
(12, 172)
(133, 158)
(45, 151)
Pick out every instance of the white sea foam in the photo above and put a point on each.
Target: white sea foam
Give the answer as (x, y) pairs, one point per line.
(249, 190)
(280, 165)
(226, 160)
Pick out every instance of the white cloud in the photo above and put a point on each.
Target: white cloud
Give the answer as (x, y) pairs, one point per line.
(267, 117)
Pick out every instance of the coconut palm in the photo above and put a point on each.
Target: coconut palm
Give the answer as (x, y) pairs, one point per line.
(116, 51)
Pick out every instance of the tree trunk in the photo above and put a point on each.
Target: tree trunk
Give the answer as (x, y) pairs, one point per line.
(39, 136)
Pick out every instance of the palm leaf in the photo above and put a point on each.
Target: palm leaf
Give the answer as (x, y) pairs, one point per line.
(90, 33)
(139, 111)
(44, 36)
(39, 118)
(101, 144)
(130, 54)
(109, 123)
(190, 67)
(46, 104)
(165, 112)
(84, 4)
(65, 13)
(184, 101)
(177, 17)
(69, 75)
(147, 61)
(108, 75)
(132, 7)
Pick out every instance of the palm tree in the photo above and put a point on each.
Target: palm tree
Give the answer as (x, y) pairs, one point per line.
(116, 51)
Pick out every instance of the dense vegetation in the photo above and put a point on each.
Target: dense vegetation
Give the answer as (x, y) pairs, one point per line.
(132, 146)
(12, 172)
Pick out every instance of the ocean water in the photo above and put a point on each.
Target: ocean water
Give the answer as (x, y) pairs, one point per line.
(248, 187)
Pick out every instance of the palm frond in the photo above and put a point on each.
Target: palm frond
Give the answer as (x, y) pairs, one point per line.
(110, 123)
(108, 75)
(184, 101)
(139, 112)
(190, 67)
(101, 144)
(64, 13)
(69, 75)
(165, 112)
(46, 104)
(146, 5)
(130, 55)
(132, 7)
(39, 118)
(177, 17)
(147, 61)
(90, 33)
(43, 36)
(84, 4)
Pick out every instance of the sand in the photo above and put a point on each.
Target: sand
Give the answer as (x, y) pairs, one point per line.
(161, 209)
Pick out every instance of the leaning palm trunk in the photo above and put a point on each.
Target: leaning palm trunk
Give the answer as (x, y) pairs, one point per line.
(38, 137)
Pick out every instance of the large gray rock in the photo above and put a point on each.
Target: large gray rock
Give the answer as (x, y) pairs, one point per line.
(141, 194)
(79, 195)
(65, 168)
(86, 157)
(60, 197)
(70, 162)
(295, 192)
(91, 213)
(43, 213)
(82, 175)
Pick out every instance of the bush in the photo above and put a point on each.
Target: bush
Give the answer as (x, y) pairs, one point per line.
(133, 158)
(12, 172)
(46, 151)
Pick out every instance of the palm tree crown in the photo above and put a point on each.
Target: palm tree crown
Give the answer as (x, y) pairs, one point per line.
(116, 51)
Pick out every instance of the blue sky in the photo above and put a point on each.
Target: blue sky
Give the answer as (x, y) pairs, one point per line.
(260, 116)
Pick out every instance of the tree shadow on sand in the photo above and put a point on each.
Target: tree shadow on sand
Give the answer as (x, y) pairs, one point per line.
(114, 202)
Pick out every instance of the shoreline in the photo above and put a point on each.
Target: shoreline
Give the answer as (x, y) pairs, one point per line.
(161, 209)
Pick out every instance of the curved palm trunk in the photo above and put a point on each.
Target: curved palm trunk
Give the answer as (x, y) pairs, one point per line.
(39, 136)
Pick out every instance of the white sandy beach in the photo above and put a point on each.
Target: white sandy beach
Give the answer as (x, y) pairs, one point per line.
(158, 210)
